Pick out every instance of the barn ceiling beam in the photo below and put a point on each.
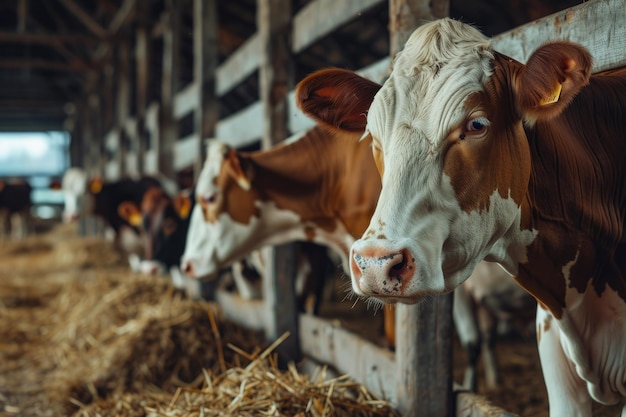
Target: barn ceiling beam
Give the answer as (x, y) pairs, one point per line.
(72, 66)
(84, 17)
(45, 39)
(122, 18)
(22, 14)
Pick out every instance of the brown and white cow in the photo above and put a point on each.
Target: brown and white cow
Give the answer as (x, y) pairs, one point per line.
(484, 157)
(316, 188)
(321, 188)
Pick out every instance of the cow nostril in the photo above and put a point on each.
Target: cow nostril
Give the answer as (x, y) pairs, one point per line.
(396, 270)
(403, 263)
(188, 269)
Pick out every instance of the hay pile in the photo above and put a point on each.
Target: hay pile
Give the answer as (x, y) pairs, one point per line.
(81, 335)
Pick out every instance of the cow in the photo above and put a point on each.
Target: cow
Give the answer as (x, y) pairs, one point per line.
(288, 193)
(92, 195)
(163, 221)
(15, 203)
(239, 196)
(483, 157)
(296, 191)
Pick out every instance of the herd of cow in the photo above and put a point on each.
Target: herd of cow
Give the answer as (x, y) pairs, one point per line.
(462, 155)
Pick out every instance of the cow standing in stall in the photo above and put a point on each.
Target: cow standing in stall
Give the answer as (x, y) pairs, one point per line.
(484, 157)
(92, 196)
(15, 206)
(319, 188)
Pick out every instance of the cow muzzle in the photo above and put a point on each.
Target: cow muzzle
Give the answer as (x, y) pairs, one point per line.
(381, 271)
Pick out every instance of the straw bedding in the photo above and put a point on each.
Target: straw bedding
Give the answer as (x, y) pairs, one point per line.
(80, 335)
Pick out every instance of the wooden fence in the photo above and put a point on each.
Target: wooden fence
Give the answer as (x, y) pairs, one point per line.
(417, 378)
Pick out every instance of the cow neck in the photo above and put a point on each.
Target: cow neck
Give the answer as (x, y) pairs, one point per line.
(576, 197)
(302, 176)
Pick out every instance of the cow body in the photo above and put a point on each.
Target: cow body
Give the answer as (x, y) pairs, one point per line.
(484, 157)
(15, 204)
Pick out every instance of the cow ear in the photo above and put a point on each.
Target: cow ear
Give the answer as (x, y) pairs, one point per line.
(338, 99)
(130, 212)
(182, 205)
(235, 170)
(552, 77)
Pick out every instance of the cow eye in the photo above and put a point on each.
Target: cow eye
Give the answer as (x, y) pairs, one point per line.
(477, 126)
(210, 199)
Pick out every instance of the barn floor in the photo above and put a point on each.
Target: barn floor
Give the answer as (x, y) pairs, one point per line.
(80, 335)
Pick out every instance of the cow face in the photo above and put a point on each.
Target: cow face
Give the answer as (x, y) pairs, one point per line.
(448, 135)
(224, 217)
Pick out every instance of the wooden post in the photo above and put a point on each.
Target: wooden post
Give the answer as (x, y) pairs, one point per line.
(423, 331)
(142, 82)
(275, 80)
(205, 41)
(169, 88)
(122, 103)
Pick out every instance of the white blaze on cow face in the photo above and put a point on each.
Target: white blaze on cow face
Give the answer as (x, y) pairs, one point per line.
(228, 221)
(427, 121)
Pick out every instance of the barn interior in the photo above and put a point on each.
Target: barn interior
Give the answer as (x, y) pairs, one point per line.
(124, 88)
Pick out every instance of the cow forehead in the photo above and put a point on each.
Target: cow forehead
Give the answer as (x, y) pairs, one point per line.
(212, 167)
(442, 64)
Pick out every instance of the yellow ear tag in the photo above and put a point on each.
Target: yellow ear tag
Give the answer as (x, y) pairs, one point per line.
(185, 208)
(135, 219)
(95, 186)
(553, 97)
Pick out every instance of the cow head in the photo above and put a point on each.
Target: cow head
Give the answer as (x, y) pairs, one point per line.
(164, 222)
(450, 143)
(225, 224)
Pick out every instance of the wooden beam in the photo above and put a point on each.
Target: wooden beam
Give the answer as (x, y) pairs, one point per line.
(84, 18)
(169, 88)
(46, 39)
(241, 128)
(406, 15)
(206, 54)
(321, 17)
(275, 80)
(239, 65)
(597, 25)
(365, 362)
(73, 66)
(22, 15)
(423, 331)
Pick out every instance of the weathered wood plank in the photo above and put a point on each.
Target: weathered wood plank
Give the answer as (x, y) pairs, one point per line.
(239, 65)
(250, 313)
(186, 151)
(205, 44)
(598, 25)
(371, 365)
(169, 87)
(471, 405)
(186, 100)
(242, 128)
(321, 17)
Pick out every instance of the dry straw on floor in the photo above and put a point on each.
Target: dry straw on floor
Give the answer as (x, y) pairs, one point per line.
(82, 335)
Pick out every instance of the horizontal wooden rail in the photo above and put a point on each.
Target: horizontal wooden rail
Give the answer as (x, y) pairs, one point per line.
(598, 25)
